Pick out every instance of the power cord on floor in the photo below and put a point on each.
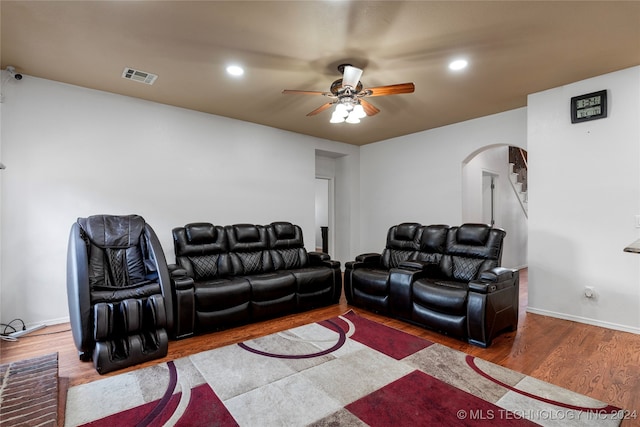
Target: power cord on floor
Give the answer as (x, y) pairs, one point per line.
(8, 330)
(6, 336)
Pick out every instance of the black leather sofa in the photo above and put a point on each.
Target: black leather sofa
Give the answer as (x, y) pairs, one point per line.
(231, 275)
(119, 291)
(444, 278)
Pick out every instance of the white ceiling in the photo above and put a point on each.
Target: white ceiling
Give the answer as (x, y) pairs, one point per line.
(514, 48)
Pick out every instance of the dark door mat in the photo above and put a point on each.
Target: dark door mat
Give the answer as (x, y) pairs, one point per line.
(29, 392)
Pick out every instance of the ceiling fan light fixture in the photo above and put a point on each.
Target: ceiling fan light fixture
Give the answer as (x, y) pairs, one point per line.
(358, 111)
(337, 118)
(353, 119)
(351, 76)
(342, 110)
(458, 64)
(235, 70)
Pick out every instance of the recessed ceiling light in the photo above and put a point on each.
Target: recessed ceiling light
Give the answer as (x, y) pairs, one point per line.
(458, 64)
(235, 70)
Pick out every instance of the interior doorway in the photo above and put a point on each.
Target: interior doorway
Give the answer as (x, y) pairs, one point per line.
(324, 215)
(488, 197)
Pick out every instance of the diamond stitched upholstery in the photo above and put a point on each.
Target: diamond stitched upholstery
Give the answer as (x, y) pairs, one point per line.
(251, 262)
(397, 257)
(291, 258)
(466, 269)
(205, 267)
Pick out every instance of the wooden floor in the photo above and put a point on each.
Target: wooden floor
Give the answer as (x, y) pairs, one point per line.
(598, 362)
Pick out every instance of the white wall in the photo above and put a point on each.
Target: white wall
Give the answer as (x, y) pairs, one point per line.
(508, 211)
(418, 177)
(584, 193)
(72, 152)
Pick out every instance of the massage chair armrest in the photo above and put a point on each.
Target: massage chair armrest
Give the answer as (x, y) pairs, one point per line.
(493, 280)
(322, 259)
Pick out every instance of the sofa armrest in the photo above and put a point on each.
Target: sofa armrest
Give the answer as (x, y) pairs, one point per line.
(322, 259)
(493, 305)
(315, 257)
(430, 268)
(369, 258)
(184, 302)
(493, 280)
(400, 290)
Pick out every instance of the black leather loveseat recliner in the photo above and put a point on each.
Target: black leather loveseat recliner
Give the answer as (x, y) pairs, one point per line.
(119, 291)
(226, 276)
(441, 277)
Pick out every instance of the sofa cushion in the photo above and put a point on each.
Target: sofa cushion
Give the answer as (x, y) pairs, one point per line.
(313, 279)
(199, 239)
(466, 269)
(290, 259)
(246, 233)
(287, 246)
(272, 293)
(476, 240)
(204, 266)
(404, 236)
(284, 230)
(200, 233)
(271, 286)
(246, 237)
(371, 281)
(402, 241)
(220, 294)
(441, 296)
(473, 234)
(434, 238)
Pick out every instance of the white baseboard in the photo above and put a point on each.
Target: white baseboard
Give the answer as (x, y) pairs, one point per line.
(586, 320)
(49, 322)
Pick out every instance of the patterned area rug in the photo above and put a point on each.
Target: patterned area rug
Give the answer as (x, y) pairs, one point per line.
(345, 371)
(29, 392)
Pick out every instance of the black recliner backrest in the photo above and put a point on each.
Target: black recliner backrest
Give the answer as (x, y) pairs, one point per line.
(116, 250)
(248, 249)
(403, 240)
(472, 249)
(287, 246)
(201, 249)
(433, 242)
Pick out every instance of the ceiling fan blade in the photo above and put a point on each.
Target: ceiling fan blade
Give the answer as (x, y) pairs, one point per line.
(320, 109)
(351, 76)
(369, 108)
(391, 89)
(305, 92)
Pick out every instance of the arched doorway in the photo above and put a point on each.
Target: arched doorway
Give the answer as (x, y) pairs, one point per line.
(490, 194)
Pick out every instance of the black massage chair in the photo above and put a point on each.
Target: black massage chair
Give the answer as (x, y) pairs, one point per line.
(119, 291)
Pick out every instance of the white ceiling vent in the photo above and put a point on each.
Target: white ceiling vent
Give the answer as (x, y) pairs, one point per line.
(139, 76)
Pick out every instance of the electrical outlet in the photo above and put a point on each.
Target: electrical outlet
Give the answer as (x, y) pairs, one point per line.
(589, 292)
